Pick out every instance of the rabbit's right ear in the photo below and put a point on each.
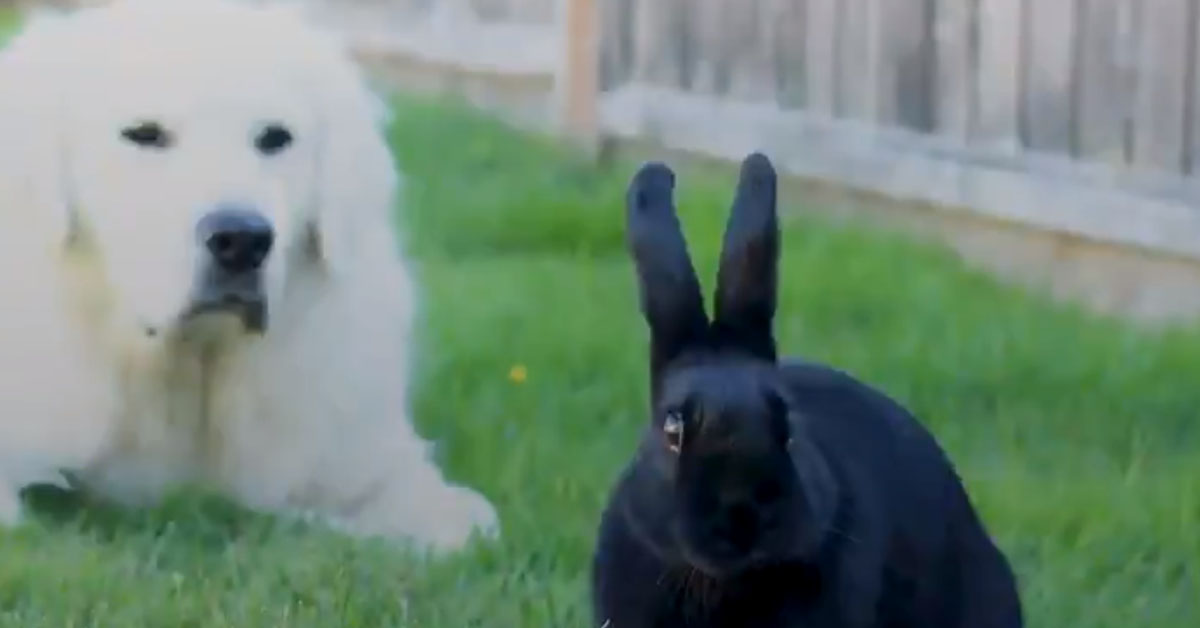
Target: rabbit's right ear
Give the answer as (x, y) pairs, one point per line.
(668, 288)
(744, 311)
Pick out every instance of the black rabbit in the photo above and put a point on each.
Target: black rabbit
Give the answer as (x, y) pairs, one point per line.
(768, 494)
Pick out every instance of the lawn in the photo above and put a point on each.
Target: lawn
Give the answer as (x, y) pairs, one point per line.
(1078, 436)
(8, 23)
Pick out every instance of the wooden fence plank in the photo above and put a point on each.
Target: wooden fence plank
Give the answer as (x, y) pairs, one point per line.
(616, 42)
(751, 49)
(1193, 148)
(1107, 80)
(955, 58)
(576, 83)
(996, 82)
(1049, 77)
(902, 62)
(821, 56)
(732, 44)
(855, 78)
(489, 10)
(535, 11)
(789, 37)
(1162, 70)
(710, 37)
(658, 33)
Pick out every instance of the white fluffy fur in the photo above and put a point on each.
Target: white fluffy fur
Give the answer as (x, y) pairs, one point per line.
(96, 243)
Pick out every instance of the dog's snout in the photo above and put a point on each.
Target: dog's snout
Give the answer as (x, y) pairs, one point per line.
(239, 239)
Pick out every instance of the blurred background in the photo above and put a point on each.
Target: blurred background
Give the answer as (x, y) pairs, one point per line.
(1070, 126)
(993, 214)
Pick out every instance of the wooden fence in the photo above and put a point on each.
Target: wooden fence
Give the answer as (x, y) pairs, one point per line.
(1076, 116)
(1108, 81)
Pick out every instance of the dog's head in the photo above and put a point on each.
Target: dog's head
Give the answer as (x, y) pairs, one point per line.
(204, 153)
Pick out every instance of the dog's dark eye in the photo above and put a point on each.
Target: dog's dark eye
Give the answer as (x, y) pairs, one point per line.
(147, 135)
(272, 139)
(673, 431)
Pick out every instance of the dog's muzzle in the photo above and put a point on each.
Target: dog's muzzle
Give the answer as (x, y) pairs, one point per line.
(218, 292)
(236, 242)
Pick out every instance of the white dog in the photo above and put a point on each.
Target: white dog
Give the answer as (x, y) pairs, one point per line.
(200, 274)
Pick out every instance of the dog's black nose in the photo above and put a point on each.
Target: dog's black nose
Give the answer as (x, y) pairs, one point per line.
(239, 239)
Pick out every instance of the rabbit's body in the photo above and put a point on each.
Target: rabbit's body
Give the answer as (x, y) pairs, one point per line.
(768, 494)
(905, 549)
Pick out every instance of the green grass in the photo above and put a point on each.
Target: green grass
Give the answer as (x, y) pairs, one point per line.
(8, 24)
(1078, 436)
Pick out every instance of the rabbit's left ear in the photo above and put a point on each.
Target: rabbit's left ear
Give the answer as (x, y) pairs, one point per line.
(744, 308)
(668, 289)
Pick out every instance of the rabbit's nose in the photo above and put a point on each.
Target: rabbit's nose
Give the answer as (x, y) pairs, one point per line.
(738, 526)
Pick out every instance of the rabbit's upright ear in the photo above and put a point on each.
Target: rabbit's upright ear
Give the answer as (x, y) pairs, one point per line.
(669, 292)
(748, 276)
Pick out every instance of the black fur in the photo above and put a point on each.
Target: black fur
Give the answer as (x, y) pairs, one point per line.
(775, 495)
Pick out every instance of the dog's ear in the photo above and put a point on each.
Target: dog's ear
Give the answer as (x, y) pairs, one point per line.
(357, 181)
(34, 153)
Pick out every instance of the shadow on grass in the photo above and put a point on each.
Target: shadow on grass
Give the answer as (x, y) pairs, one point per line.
(203, 519)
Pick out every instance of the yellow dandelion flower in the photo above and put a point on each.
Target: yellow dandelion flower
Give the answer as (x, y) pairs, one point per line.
(518, 374)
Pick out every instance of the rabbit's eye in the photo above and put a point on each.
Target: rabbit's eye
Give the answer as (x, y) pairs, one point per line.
(673, 431)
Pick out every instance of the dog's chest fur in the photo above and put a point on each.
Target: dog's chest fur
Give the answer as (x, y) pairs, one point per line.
(183, 406)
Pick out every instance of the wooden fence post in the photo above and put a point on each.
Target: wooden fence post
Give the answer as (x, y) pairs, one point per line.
(577, 80)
